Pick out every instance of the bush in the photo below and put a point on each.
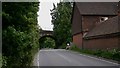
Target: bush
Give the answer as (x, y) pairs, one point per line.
(0, 60)
(63, 46)
(47, 42)
(113, 54)
(20, 33)
(18, 47)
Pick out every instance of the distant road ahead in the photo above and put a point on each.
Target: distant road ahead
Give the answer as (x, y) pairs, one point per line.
(61, 57)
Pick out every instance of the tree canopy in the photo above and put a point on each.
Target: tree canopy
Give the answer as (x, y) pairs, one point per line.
(61, 19)
(20, 33)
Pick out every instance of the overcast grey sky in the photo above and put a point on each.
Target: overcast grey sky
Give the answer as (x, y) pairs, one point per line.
(44, 18)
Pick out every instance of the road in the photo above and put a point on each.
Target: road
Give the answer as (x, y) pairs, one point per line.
(61, 57)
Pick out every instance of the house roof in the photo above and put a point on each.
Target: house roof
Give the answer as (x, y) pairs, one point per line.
(110, 26)
(97, 8)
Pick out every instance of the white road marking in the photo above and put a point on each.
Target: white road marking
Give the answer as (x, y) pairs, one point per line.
(38, 59)
(98, 59)
(66, 58)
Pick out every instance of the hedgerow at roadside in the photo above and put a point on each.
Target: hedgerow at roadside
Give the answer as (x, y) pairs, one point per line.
(20, 33)
(113, 54)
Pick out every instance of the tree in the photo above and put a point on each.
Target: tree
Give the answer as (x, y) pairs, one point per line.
(61, 19)
(47, 42)
(20, 33)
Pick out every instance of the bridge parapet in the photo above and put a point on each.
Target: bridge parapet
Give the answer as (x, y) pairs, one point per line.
(46, 32)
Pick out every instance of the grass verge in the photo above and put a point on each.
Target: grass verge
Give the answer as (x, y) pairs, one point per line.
(113, 54)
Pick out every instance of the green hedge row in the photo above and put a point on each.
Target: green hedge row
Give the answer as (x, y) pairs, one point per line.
(113, 54)
(20, 33)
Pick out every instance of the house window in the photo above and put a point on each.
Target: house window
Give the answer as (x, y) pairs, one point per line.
(102, 19)
(84, 34)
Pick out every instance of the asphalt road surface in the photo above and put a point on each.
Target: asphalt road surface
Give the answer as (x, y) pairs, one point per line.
(61, 57)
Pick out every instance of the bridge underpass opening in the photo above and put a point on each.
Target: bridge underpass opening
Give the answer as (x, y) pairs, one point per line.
(47, 42)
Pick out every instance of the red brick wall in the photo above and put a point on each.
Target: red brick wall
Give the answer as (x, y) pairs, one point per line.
(102, 43)
(88, 23)
(77, 40)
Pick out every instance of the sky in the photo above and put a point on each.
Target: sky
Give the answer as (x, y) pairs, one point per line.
(44, 17)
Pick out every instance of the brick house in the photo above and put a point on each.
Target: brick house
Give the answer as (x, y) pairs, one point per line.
(95, 25)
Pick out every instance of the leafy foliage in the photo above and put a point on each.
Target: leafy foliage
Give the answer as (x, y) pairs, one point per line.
(61, 19)
(20, 33)
(47, 42)
(109, 54)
